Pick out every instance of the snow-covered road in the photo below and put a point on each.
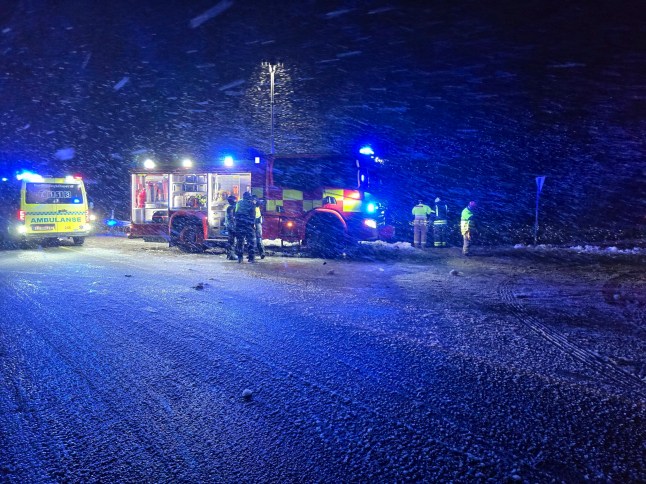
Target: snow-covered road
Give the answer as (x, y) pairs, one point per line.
(123, 361)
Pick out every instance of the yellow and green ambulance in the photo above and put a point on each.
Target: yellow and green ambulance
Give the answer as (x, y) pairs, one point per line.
(42, 208)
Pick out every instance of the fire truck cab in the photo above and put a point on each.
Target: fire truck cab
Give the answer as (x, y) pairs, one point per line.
(321, 201)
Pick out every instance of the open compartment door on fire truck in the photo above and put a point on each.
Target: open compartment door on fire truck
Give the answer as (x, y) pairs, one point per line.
(221, 186)
(149, 198)
(188, 191)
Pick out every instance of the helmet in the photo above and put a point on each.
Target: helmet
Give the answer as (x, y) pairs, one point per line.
(231, 199)
(472, 205)
(246, 196)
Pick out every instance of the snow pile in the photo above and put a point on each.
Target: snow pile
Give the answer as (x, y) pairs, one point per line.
(381, 245)
(278, 243)
(585, 249)
(593, 249)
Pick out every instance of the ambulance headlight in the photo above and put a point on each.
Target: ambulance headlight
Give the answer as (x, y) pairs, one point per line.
(21, 229)
(92, 217)
(370, 223)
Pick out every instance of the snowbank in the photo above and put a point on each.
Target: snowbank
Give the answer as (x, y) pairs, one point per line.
(584, 249)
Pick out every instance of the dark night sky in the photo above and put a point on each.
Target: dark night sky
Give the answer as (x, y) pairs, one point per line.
(469, 99)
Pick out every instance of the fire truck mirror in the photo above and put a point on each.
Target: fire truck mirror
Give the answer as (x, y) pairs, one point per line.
(329, 200)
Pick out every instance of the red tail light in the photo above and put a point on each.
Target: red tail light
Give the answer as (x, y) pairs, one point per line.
(21, 215)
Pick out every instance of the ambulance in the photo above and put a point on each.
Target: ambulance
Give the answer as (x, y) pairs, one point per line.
(42, 209)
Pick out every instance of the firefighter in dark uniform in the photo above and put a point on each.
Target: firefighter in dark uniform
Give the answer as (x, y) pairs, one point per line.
(245, 216)
(440, 223)
(230, 225)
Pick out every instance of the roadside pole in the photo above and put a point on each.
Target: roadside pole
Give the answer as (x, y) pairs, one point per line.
(539, 187)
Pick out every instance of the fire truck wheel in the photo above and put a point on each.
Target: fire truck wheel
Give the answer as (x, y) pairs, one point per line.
(325, 237)
(190, 239)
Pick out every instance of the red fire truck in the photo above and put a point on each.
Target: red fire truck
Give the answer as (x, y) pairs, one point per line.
(323, 201)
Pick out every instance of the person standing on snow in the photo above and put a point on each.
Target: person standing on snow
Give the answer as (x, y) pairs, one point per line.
(467, 226)
(440, 223)
(245, 216)
(229, 224)
(421, 212)
(258, 225)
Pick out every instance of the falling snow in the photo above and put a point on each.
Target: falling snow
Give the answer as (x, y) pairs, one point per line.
(524, 363)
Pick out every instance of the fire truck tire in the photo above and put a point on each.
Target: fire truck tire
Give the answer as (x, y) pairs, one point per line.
(190, 239)
(78, 240)
(326, 237)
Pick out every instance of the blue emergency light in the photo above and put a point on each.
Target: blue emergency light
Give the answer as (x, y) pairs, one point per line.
(28, 176)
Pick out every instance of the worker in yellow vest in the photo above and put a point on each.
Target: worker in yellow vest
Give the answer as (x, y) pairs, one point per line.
(468, 226)
(421, 213)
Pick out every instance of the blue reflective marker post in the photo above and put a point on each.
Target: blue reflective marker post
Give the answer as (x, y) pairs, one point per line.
(539, 187)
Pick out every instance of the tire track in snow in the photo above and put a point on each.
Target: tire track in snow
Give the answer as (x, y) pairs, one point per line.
(77, 343)
(592, 360)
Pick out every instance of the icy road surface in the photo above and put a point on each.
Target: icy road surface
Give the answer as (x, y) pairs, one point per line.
(123, 361)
